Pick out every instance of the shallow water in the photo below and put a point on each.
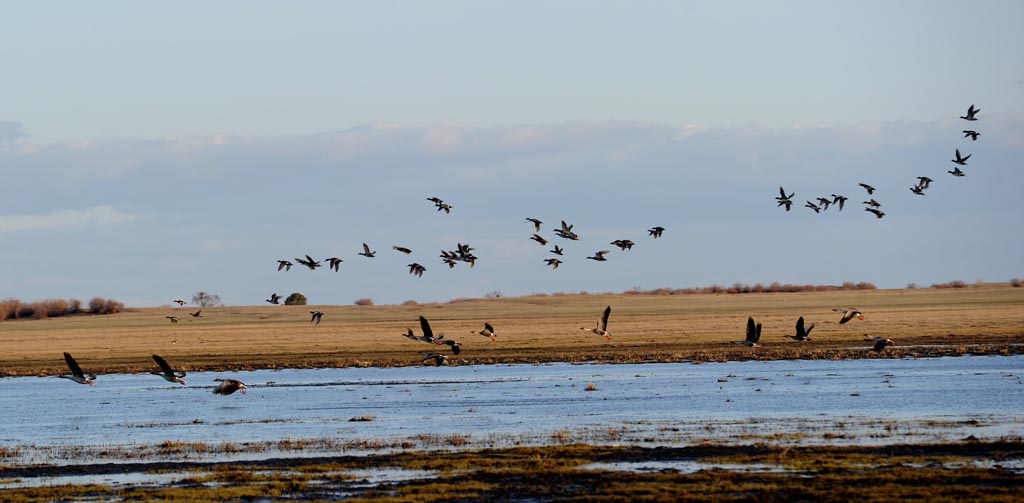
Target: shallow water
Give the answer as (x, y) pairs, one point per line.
(887, 400)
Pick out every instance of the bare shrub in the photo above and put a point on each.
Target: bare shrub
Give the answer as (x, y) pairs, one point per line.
(365, 301)
(99, 305)
(912, 286)
(205, 299)
(410, 302)
(74, 306)
(1016, 282)
(951, 284)
(9, 308)
(495, 294)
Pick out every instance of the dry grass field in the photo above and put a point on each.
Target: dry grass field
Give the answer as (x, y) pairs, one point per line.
(978, 319)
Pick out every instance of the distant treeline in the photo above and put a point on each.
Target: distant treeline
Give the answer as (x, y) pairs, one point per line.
(735, 288)
(11, 309)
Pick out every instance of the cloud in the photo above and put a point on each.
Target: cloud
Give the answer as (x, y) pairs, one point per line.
(64, 219)
(11, 131)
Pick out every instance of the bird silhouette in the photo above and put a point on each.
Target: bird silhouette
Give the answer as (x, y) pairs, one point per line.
(76, 372)
(229, 386)
(316, 317)
(956, 171)
(753, 334)
(961, 160)
(557, 250)
(849, 313)
(196, 314)
(402, 249)
(878, 213)
(536, 224)
(624, 244)
(437, 358)
(839, 200)
(488, 331)
(655, 232)
(972, 134)
(813, 207)
(602, 325)
(599, 255)
(971, 112)
(308, 262)
(870, 189)
(167, 372)
(553, 262)
(539, 239)
(802, 333)
(179, 302)
(284, 264)
(174, 319)
(274, 298)
(366, 251)
(334, 263)
(416, 269)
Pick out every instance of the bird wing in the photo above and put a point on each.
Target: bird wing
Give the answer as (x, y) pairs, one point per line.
(163, 365)
(602, 324)
(757, 334)
(73, 365)
(751, 330)
(366, 249)
(800, 333)
(489, 327)
(425, 325)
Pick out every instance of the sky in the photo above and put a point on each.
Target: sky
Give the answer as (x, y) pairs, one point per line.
(152, 150)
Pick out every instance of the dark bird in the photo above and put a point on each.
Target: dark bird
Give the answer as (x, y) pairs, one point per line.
(174, 319)
(436, 200)
(655, 232)
(599, 255)
(366, 251)
(823, 203)
(553, 262)
(437, 358)
(450, 261)
(76, 372)
(625, 244)
(284, 264)
(924, 182)
(602, 325)
(917, 189)
(557, 250)
(274, 298)
(872, 203)
(839, 200)
(784, 200)
(402, 249)
(753, 334)
(229, 386)
(536, 224)
(870, 189)
(971, 112)
(196, 314)
(428, 333)
(167, 372)
(961, 160)
(417, 269)
(447, 208)
(956, 171)
(308, 262)
(455, 345)
(813, 207)
(334, 263)
(539, 239)
(878, 213)
(316, 317)
(972, 134)
(488, 331)
(802, 333)
(880, 343)
(179, 302)
(566, 232)
(848, 314)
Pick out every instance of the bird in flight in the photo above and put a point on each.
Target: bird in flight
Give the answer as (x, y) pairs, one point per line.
(196, 314)
(366, 251)
(174, 319)
(878, 213)
(956, 171)
(625, 244)
(599, 255)
(167, 372)
(917, 189)
(76, 372)
(872, 203)
(880, 343)
(402, 249)
(870, 189)
(284, 264)
(536, 224)
(334, 263)
(973, 135)
(309, 262)
(802, 333)
(839, 200)
(655, 232)
(455, 345)
(179, 302)
(274, 298)
(488, 331)
(783, 199)
(753, 334)
(971, 112)
(602, 325)
(848, 314)
(437, 358)
(566, 232)
(813, 207)
(553, 262)
(316, 317)
(229, 386)
(557, 250)
(539, 239)
(961, 160)
(417, 269)
(924, 182)
(428, 333)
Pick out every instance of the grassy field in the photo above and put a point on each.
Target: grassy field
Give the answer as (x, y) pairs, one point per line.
(985, 319)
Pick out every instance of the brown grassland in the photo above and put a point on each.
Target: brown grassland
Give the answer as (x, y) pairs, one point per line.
(978, 319)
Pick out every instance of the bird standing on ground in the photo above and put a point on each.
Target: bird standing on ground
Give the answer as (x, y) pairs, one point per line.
(316, 317)
(602, 325)
(229, 386)
(169, 374)
(848, 314)
(76, 372)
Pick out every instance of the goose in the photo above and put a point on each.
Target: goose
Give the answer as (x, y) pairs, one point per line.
(428, 333)
(455, 345)
(566, 232)
(870, 189)
(174, 319)
(924, 182)
(848, 314)
(274, 298)
(437, 358)
(788, 203)
(813, 207)
(229, 386)
(409, 335)
(539, 239)
(196, 314)
(961, 160)
(446, 207)
(599, 255)
(956, 171)
(602, 325)
(823, 203)
(880, 343)
(536, 224)
(625, 244)
(971, 112)
(309, 262)
(417, 269)
(655, 232)
(402, 249)
(76, 372)
(316, 317)
(284, 264)
(334, 263)
(488, 331)
(167, 372)
(802, 333)
(972, 134)
(366, 251)
(872, 203)
(553, 262)
(839, 200)
(917, 189)
(783, 199)
(753, 334)
(436, 200)
(449, 261)
(878, 213)
(179, 302)
(557, 250)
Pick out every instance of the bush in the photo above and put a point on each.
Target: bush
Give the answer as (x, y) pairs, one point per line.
(204, 299)
(295, 299)
(98, 305)
(1017, 282)
(365, 301)
(911, 286)
(410, 302)
(951, 284)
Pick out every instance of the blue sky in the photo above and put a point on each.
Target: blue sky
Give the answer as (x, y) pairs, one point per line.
(149, 150)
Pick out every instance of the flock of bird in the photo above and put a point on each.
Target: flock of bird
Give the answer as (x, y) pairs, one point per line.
(871, 205)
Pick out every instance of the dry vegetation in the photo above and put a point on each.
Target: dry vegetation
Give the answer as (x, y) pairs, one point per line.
(12, 309)
(980, 319)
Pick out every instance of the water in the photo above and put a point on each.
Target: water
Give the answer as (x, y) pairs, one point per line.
(893, 400)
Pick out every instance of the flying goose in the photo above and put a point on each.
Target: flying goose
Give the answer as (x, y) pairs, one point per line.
(655, 232)
(823, 202)
(539, 239)
(316, 316)
(402, 249)
(753, 334)
(366, 251)
(870, 189)
(229, 386)
(174, 319)
(802, 333)
(917, 189)
(878, 213)
(282, 264)
(436, 200)
(956, 171)
(625, 244)
(839, 200)
(488, 331)
(553, 262)
(972, 134)
(557, 250)
(455, 345)
(924, 182)
(783, 199)
(872, 203)
(599, 255)
(446, 207)
(602, 325)
(813, 207)
(961, 160)
(566, 232)
(428, 333)
(848, 314)
(334, 263)
(880, 343)
(536, 224)
(417, 269)
(437, 358)
(274, 298)
(971, 112)
(309, 262)
(167, 372)
(196, 314)
(76, 372)
(179, 302)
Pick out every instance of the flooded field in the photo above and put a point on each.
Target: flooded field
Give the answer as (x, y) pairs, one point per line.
(296, 412)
